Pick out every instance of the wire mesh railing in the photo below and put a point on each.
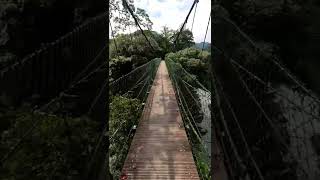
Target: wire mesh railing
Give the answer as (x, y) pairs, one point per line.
(73, 69)
(128, 99)
(194, 101)
(49, 135)
(53, 67)
(280, 119)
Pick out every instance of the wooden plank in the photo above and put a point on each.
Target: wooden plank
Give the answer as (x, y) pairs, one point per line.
(160, 148)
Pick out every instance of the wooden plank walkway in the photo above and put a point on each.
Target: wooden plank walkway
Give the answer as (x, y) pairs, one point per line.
(160, 148)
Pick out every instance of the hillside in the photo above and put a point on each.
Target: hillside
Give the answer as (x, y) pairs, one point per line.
(199, 45)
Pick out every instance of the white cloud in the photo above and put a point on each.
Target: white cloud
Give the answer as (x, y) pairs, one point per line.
(172, 13)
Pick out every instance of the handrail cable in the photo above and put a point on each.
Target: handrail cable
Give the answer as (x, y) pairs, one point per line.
(143, 65)
(192, 77)
(263, 112)
(34, 125)
(90, 64)
(249, 153)
(179, 97)
(225, 129)
(268, 86)
(274, 59)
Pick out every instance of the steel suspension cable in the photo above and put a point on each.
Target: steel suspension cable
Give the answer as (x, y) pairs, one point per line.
(225, 128)
(248, 151)
(40, 111)
(185, 21)
(258, 79)
(79, 75)
(142, 79)
(206, 32)
(195, 10)
(263, 112)
(192, 77)
(137, 23)
(131, 72)
(274, 59)
(195, 131)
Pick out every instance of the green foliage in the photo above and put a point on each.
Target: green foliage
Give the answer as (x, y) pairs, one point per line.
(166, 42)
(202, 162)
(133, 51)
(205, 56)
(185, 39)
(143, 18)
(195, 66)
(200, 155)
(124, 113)
(56, 148)
(135, 47)
(122, 17)
(119, 66)
(134, 44)
(195, 62)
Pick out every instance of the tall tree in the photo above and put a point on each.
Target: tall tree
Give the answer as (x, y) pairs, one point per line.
(122, 19)
(185, 39)
(166, 39)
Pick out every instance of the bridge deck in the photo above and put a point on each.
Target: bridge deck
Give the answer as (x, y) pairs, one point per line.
(160, 147)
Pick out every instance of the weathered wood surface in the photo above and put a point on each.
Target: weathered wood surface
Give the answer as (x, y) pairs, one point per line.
(160, 147)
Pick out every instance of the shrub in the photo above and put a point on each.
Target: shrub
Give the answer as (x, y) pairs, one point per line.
(57, 147)
(124, 113)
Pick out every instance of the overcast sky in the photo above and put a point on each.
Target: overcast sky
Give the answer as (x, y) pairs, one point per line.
(172, 13)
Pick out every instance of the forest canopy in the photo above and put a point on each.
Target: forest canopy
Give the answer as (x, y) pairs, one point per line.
(128, 51)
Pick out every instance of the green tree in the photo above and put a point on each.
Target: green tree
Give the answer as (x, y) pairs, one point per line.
(119, 66)
(166, 42)
(185, 39)
(124, 113)
(194, 61)
(122, 17)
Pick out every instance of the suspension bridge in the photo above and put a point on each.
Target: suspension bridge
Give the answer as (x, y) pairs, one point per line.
(265, 121)
(160, 148)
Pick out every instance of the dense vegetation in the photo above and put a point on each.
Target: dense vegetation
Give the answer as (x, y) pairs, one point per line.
(55, 148)
(58, 145)
(124, 114)
(194, 61)
(128, 51)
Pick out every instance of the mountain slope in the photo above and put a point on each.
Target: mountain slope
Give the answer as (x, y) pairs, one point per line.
(206, 45)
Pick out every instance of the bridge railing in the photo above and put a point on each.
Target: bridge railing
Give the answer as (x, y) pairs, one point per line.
(49, 70)
(194, 101)
(73, 70)
(128, 83)
(82, 101)
(283, 112)
(132, 88)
